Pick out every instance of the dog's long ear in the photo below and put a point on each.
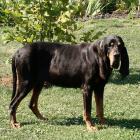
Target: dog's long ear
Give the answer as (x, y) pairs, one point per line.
(124, 68)
(103, 62)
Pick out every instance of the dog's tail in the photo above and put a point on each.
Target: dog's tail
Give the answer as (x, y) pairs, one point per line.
(14, 73)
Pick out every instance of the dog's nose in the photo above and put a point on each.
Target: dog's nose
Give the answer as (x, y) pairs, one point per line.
(117, 55)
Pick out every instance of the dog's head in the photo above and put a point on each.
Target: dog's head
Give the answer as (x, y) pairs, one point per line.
(114, 49)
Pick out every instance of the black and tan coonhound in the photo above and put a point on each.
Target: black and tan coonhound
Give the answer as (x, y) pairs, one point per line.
(87, 66)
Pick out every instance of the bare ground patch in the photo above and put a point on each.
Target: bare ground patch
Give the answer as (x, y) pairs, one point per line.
(6, 81)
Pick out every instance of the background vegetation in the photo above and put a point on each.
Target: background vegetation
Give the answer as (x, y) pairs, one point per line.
(23, 21)
(54, 20)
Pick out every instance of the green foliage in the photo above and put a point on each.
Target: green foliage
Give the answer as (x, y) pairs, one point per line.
(4, 18)
(131, 3)
(91, 35)
(127, 4)
(86, 7)
(94, 7)
(79, 7)
(39, 20)
(109, 6)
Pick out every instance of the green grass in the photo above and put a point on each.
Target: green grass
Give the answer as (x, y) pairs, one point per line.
(64, 107)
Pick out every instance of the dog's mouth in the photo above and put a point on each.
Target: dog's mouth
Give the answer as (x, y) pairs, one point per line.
(115, 65)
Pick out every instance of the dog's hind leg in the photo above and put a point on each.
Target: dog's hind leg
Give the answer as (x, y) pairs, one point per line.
(23, 89)
(33, 105)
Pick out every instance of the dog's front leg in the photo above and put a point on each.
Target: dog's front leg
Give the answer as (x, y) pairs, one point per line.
(87, 98)
(99, 95)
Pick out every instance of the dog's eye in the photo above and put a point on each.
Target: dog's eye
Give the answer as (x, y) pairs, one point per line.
(119, 44)
(111, 43)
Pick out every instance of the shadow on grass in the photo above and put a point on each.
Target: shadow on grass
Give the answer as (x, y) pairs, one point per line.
(133, 78)
(125, 123)
(29, 123)
(122, 123)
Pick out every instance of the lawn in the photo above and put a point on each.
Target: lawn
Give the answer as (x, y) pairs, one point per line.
(64, 107)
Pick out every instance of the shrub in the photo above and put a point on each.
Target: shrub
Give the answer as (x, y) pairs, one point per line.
(40, 20)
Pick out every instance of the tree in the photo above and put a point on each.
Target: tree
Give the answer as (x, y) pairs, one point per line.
(40, 20)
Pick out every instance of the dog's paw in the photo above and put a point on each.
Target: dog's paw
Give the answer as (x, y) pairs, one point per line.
(92, 128)
(15, 125)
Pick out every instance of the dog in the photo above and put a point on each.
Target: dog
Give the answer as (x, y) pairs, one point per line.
(86, 66)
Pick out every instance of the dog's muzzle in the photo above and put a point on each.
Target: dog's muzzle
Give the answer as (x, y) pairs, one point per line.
(116, 61)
